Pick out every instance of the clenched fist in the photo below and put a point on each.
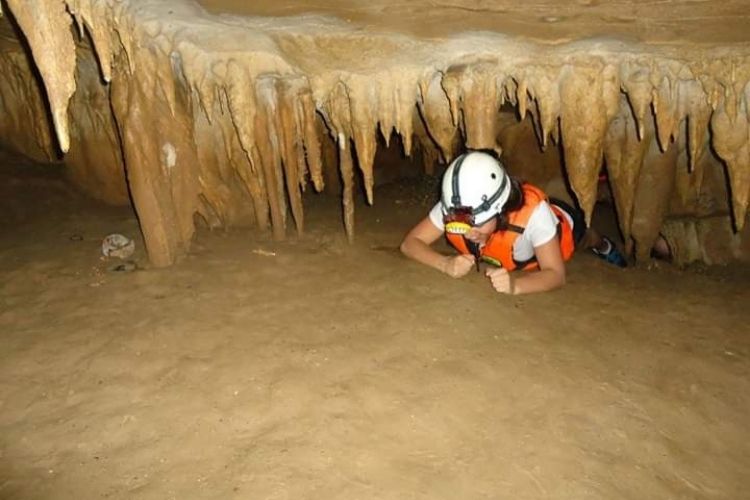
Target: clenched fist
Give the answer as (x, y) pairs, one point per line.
(458, 265)
(501, 280)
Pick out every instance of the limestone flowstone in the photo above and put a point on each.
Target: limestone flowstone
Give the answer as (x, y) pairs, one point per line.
(237, 102)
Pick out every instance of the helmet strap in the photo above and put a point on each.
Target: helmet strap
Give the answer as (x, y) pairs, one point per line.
(456, 196)
(487, 203)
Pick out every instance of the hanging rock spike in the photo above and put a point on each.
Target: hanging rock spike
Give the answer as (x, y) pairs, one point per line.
(313, 152)
(479, 107)
(731, 140)
(340, 115)
(242, 105)
(698, 119)
(436, 112)
(291, 147)
(665, 102)
(547, 98)
(362, 100)
(266, 152)
(269, 124)
(639, 91)
(584, 124)
(46, 24)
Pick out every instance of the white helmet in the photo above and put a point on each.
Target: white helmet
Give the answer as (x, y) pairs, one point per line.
(478, 181)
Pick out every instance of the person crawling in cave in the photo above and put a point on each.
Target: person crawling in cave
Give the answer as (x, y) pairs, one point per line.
(489, 216)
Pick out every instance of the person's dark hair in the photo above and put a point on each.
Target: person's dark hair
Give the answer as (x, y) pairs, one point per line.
(515, 198)
(515, 202)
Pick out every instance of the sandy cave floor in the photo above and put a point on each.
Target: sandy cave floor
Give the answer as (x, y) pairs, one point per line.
(335, 371)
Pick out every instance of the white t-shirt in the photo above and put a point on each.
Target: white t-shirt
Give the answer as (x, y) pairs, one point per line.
(541, 228)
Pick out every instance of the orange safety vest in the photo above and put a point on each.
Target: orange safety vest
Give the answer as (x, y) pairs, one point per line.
(499, 247)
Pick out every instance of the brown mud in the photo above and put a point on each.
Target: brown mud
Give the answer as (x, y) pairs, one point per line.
(316, 369)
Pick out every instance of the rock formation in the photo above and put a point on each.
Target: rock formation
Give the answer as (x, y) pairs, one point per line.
(228, 116)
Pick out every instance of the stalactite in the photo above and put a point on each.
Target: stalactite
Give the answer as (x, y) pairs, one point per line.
(611, 90)
(699, 191)
(731, 139)
(199, 75)
(94, 162)
(386, 111)
(699, 116)
(451, 84)
(435, 110)
(164, 192)
(299, 145)
(510, 91)
(329, 150)
(222, 188)
(167, 83)
(362, 100)
(347, 176)
(292, 148)
(665, 102)
(257, 189)
(313, 152)
(340, 117)
(90, 14)
(261, 103)
(547, 101)
(405, 93)
(652, 195)
(256, 185)
(584, 124)
(24, 126)
(522, 95)
(692, 117)
(429, 151)
(624, 153)
(242, 105)
(46, 24)
(635, 80)
(267, 153)
(479, 106)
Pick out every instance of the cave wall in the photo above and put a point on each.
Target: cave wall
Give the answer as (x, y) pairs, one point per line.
(24, 127)
(94, 163)
(230, 121)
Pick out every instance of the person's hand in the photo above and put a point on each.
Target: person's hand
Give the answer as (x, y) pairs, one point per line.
(458, 266)
(501, 280)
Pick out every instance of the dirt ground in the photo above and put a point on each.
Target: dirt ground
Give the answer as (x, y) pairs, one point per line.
(315, 369)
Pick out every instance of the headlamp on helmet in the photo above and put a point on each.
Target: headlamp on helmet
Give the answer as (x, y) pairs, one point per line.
(458, 220)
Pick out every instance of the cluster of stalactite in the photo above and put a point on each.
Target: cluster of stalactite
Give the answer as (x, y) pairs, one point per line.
(231, 129)
(93, 160)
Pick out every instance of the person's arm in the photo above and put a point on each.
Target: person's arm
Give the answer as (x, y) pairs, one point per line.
(551, 273)
(416, 246)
